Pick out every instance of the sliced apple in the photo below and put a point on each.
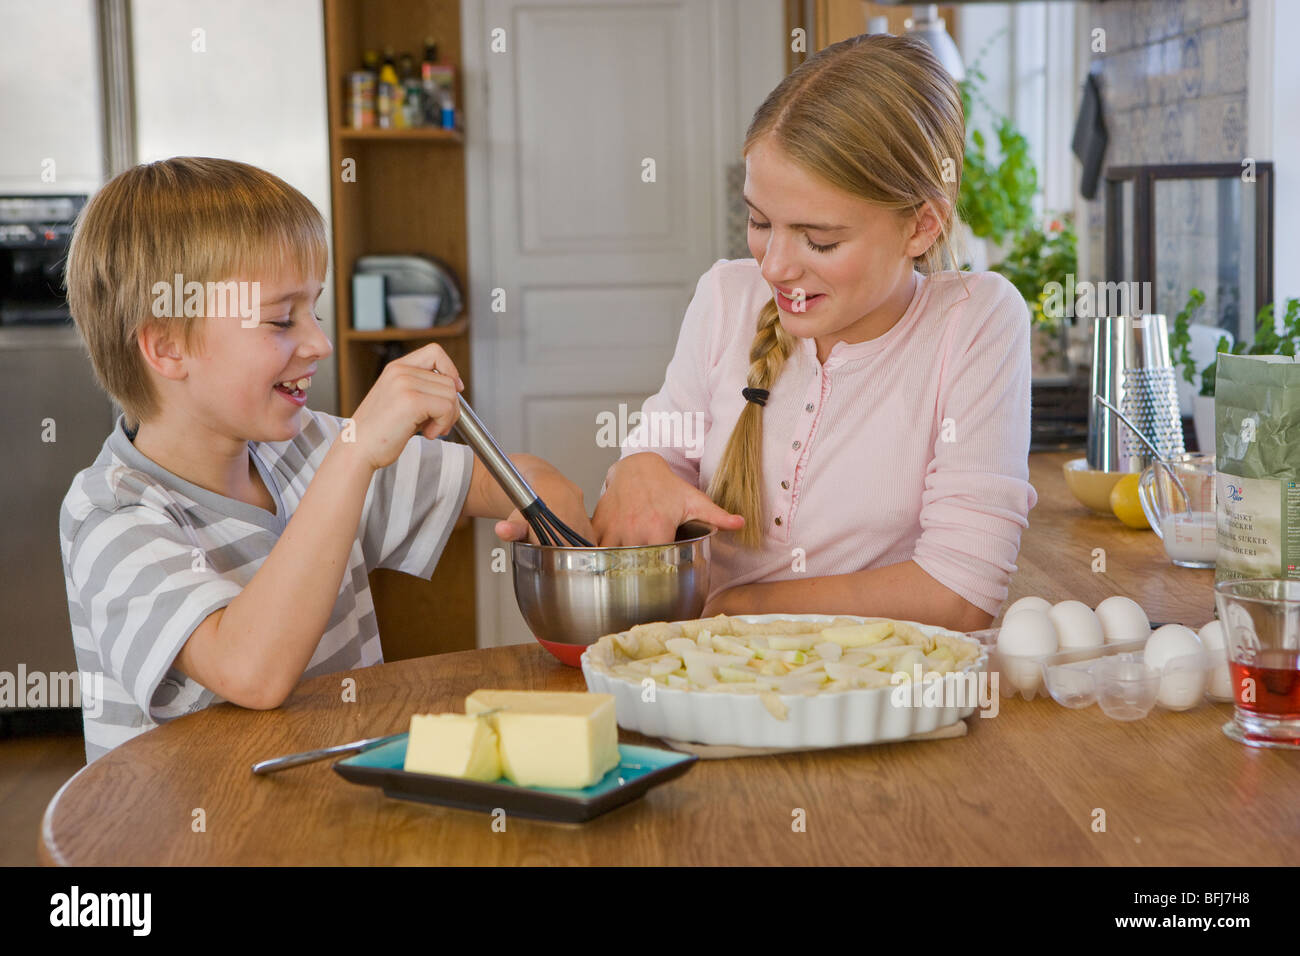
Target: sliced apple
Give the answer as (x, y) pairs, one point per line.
(859, 635)
(942, 659)
(790, 643)
(680, 645)
(729, 645)
(736, 675)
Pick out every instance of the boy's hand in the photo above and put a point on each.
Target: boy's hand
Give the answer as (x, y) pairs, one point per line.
(562, 496)
(645, 501)
(415, 395)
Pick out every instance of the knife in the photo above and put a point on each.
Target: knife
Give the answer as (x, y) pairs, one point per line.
(310, 756)
(356, 746)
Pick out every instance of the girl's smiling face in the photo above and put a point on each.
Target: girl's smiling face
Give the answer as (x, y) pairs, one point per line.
(840, 268)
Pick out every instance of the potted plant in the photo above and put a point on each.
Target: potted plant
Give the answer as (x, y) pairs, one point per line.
(996, 195)
(1040, 255)
(1267, 340)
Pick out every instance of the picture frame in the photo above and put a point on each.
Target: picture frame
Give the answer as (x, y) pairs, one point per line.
(1194, 225)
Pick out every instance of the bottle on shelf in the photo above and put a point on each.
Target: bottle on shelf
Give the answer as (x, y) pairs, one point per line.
(438, 80)
(405, 67)
(413, 102)
(428, 86)
(389, 107)
(448, 110)
(361, 99)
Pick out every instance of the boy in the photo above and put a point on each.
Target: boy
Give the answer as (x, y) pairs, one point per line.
(218, 547)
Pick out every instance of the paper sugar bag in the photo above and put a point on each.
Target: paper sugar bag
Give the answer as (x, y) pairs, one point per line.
(1257, 449)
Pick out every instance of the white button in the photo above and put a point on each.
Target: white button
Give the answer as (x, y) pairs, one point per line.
(795, 446)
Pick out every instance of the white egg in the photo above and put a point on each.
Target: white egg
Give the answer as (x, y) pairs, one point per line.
(1077, 625)
(1026, 636)
(1212, 639)
(1029, 603)
(1122, 619)
(1183, 686)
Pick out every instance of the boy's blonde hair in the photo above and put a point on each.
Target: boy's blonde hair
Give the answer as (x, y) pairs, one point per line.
(208, 220)
(878, 117)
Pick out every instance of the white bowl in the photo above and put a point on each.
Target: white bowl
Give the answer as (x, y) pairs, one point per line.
(414, 311)
(831, 719)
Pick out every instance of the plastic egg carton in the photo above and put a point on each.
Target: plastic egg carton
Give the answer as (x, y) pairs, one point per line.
(1017, 675)
(1115, 676)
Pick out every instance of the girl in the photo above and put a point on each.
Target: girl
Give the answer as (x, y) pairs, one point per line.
(865, 413)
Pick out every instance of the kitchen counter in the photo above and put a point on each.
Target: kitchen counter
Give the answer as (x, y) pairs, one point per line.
(1023, 787)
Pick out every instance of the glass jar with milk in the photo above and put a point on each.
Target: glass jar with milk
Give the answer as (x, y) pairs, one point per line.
(1179, 501)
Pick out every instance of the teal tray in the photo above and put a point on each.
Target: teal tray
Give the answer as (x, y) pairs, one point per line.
(639, 769)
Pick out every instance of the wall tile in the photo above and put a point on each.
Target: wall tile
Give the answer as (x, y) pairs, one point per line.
(1191, 72)
(1119, 132)
(1119, 83)
(1232, 61)
(1221, 11)
(1191, 15)
(1176, 133)
(1233, 129)
(1174, 89)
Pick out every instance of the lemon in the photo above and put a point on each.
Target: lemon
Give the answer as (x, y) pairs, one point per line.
(1124, 502)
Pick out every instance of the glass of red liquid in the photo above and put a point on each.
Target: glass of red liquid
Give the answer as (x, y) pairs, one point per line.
(1261, 625)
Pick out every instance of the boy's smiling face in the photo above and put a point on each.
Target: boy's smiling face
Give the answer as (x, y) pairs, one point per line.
(232, 384)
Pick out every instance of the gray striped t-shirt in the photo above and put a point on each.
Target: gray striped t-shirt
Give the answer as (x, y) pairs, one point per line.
(147, 556)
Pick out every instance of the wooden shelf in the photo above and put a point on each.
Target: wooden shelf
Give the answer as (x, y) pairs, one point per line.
(449, 331)
(419, 134)
(407, 198)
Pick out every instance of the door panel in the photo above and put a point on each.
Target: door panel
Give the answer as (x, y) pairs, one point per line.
(596, 259)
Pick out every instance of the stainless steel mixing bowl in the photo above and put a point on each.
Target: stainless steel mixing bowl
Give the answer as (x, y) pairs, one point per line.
(570, 597)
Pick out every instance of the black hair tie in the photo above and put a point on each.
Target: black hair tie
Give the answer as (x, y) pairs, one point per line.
(756, 395)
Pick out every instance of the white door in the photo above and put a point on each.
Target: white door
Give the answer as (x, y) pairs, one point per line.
(598, 140)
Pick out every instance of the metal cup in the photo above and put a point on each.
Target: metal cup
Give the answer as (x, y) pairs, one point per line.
(1132, 370)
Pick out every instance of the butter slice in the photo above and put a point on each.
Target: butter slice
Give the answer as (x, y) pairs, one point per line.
(550, 739)
(453, 745)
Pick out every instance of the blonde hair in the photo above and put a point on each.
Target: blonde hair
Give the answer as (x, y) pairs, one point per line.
(209, 220)
(878, 117)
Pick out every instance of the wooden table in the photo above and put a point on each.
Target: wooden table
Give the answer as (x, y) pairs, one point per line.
(1022, 788)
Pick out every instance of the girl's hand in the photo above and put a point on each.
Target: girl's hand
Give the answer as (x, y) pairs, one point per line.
(645, 501)
(415, 395)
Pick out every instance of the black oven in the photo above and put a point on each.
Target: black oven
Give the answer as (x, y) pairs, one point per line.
(34, 236)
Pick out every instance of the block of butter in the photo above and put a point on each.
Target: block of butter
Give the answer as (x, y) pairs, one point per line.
(453, 745)
(552, 739)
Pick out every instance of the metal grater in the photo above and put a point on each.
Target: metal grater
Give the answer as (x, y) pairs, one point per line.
(1131, 370)
(1151, 403)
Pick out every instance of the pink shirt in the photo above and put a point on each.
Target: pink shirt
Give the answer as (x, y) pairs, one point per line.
(913, 445)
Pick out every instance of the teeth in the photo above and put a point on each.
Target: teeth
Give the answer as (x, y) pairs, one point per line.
(303, 384)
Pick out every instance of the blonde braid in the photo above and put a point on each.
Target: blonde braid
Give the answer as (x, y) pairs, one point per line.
(737, 485)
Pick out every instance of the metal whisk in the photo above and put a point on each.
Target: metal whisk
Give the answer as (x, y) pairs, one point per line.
(549, 529)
